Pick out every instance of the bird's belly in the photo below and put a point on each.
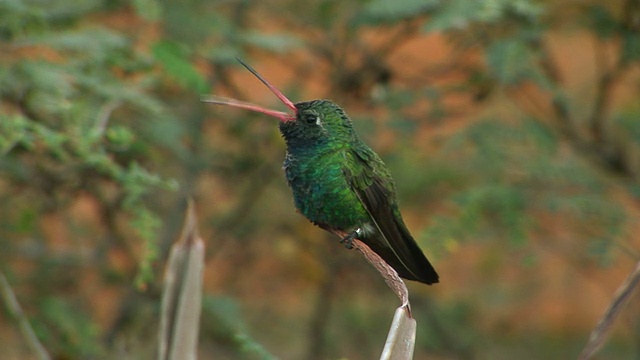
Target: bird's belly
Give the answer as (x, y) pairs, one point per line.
(323, 195)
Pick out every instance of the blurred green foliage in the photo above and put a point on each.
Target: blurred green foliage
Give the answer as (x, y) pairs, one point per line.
(493, 147)
(69, 333)
(223, 322)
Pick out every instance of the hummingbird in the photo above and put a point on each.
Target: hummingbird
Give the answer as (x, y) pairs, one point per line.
(339, 183)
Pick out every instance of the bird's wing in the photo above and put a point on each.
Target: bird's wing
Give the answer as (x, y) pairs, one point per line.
(371, 181)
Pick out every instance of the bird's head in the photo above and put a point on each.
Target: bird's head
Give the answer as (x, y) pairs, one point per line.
(310, 123)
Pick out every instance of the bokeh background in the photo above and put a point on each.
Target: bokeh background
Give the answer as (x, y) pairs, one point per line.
(511, 127)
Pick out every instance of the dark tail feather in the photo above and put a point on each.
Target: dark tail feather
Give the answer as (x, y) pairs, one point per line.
(405, 257)
(418, 267)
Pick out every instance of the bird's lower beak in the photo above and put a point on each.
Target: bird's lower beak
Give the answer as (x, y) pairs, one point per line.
(282, 116)
(220, 100)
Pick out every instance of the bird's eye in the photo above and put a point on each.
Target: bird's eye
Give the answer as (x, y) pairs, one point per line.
(310, 118)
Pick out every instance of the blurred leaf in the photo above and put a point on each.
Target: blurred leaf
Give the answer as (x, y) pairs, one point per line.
(176, 62)
(148, 9)
(509, 61)
(39, 78)
(27, 221)
(138, 182)
(498, 207)
(278, 43)
(600, 249)
(17, 17)
(630, 46)
(95, 43)
(602, 21)
(381, 11)
(452, 15)
(67, 330)
(225, 54)
(628, 121)
(541, 136)
(192, 22)
(147, 224)
(460, 14)
(165, 131)
(451, 318)
(222, 319)
(120, 137)
(494, 207)
(14, 130)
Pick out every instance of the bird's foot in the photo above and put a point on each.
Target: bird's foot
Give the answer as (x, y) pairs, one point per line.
(348, 240)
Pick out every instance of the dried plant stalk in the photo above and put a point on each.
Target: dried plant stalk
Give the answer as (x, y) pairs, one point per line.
(14, 308)
(182, 294)
(402, 337)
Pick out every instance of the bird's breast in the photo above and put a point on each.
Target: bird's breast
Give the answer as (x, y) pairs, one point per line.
(321, 190)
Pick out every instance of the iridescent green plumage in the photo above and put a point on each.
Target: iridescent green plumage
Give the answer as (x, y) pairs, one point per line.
(340, 184)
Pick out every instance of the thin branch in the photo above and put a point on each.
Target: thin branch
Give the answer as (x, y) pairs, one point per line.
(522, 97)
(561, 111)
(608, 77)
(105, 114)
(390, 276)
(602, 100)
(23, 323)
(593, 146)
(622, 296)
(317, 335)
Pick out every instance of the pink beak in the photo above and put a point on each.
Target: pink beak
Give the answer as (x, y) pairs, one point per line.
(282, 116)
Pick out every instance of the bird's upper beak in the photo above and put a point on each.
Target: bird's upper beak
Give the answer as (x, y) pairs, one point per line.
(282, 116)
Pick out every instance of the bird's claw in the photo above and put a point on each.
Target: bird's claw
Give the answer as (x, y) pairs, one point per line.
(348, 240)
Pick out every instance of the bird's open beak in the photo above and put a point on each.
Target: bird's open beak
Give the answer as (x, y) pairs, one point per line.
(282, 116)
